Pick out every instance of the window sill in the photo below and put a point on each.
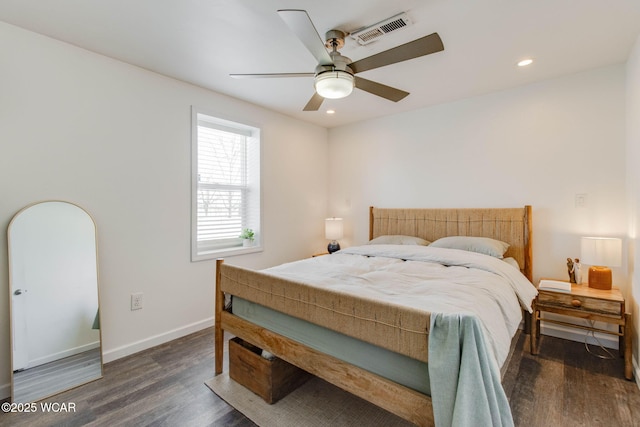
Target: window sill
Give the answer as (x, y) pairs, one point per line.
(222, 253)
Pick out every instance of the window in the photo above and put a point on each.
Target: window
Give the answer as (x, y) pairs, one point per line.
(225, 187)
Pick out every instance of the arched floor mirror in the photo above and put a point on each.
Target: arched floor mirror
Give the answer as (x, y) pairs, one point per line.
(55, 320)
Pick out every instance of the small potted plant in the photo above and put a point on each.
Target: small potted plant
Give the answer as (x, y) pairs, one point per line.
(247, 237)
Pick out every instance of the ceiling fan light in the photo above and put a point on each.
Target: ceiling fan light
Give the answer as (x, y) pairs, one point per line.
(334, 84)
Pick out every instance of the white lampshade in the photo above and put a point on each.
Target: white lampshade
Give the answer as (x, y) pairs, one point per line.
(601, 251)
(334, 84)
(333, 228)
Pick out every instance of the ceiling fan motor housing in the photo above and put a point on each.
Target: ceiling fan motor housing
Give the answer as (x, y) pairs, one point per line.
(339, 63)
(334, 39)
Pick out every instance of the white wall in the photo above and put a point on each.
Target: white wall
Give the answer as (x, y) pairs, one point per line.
(115, 139)
(539, 144)
(633, 192)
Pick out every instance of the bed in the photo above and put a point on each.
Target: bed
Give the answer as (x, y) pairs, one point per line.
(444, 359)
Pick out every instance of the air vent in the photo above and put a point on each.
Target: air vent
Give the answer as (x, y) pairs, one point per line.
(372, 33)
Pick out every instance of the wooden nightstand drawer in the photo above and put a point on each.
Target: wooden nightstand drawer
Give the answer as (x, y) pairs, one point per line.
(578, 302)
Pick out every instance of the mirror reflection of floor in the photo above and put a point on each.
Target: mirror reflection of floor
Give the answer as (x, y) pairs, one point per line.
(45, 380)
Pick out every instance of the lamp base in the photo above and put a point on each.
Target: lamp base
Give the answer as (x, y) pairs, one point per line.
(600, 277)
(333, 247)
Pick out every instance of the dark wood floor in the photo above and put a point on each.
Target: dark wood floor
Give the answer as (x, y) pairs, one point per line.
(164, 386)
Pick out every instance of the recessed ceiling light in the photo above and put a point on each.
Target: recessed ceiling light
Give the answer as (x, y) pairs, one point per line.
(331, 111)
(525, 62)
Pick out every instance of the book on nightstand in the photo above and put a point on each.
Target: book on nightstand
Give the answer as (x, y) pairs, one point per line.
(554, 285)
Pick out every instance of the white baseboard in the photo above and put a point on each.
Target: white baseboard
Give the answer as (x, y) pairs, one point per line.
(135, 347)
(573, 334)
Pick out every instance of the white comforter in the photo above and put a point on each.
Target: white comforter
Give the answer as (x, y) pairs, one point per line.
(432, 279)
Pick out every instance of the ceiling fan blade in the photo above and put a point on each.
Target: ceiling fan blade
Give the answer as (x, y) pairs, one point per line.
(419, 47)
(314, 103)
(270, 75)
(387, 92)
(300, 23)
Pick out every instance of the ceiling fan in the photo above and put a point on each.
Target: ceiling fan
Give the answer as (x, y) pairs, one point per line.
(335, 74)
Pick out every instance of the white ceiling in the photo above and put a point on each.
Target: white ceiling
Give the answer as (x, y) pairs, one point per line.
(203, 41)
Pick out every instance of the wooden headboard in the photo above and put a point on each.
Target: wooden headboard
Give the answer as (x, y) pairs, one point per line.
(510, 225)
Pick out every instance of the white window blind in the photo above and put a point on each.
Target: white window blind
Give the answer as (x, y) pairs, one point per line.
(226, 187)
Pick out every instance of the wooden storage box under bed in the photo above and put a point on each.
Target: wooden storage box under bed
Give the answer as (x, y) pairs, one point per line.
(270, 379)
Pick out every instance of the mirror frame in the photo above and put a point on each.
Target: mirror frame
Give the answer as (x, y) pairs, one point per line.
(11, 308)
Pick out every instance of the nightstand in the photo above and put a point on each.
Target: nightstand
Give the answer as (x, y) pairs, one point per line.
(319, 254)
(587, 303)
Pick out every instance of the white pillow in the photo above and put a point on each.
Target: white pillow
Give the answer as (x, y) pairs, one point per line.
(398, 240)
(512, 262)
(483, 245)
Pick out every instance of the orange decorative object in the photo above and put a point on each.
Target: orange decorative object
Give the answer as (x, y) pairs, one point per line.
(600, 277)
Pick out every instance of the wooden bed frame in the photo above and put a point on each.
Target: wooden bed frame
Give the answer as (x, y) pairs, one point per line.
(511, 225)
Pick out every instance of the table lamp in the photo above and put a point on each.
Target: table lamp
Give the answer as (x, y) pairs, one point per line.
(601, 253)
(333, 232)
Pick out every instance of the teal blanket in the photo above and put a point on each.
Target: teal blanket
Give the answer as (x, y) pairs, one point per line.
(465, 380)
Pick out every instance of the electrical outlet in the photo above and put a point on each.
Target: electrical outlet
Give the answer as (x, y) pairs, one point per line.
(136, 301)
(581, 200)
